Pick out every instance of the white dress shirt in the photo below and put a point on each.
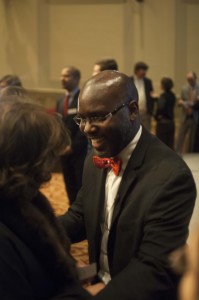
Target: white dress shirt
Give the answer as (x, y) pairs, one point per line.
(139, 83)
(111, 188)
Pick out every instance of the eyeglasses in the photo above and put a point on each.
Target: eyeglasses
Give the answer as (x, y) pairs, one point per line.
(97, 120)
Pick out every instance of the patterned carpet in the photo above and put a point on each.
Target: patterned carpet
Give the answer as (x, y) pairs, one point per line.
(55, 192)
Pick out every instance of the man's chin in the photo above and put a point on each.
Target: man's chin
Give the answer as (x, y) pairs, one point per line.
(101, 153)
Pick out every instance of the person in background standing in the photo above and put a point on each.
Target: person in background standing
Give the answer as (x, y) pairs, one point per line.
(189, 102)
(73, 160)
(145, 91)
(165, 128)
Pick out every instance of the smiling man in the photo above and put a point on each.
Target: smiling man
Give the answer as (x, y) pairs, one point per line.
(136, 199)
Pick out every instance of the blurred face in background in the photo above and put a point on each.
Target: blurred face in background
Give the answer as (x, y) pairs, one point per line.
(68, 80)
(140, 73)
(191, 79)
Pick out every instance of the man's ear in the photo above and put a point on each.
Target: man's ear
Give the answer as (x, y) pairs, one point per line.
(133, 109)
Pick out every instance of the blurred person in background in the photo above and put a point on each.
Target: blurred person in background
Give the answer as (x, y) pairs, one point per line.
(189, 285)
(73, 160)
(35, 262)
(165, 127)
(185, 261)
(10, 80)
(189, 103)
(145, 91)
(105, 64)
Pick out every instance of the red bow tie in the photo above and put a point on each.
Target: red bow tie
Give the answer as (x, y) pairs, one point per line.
(103, 163)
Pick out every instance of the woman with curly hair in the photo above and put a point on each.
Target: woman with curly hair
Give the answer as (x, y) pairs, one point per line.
(34, 252)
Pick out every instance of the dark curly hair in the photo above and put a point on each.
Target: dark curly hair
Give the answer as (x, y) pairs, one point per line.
(167, 84)
(107, 64)
(30, 142)
(10, 80)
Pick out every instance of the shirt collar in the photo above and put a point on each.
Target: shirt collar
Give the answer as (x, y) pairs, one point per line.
(126, 153)
(73, 92)
(139, 79)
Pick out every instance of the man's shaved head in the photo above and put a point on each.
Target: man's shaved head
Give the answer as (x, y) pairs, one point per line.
(114, 81)
(102, 95)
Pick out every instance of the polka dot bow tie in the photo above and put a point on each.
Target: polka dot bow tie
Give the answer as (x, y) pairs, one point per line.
(114, 163)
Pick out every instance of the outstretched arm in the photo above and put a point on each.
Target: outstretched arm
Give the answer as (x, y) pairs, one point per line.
(73, 220)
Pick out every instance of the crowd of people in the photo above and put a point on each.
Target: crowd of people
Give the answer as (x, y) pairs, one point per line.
(131, 195)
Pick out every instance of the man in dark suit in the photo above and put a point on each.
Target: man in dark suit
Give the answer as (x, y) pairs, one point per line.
(136, 199)
(145, 91)
(189, 103)
(73, 160)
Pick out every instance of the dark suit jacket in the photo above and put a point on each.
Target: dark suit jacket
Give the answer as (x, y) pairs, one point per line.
(152, 211)
(78, 139)
(23, 277)
(149, 100)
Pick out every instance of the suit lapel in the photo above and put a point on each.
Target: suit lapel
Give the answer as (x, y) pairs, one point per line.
(99, 195)
(125, 185)
(130, 173)
(74, 102)
(61, 106)
(95, 211)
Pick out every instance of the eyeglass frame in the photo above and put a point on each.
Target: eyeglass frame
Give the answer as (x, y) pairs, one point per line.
(99, 119)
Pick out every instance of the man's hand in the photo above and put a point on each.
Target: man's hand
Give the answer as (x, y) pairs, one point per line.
(180, 102)
(80, 264)
(154, 95)
(95, 288)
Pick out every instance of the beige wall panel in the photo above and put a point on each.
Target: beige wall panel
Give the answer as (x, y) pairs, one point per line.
(80, 33)
(192, 39)
(186, 40)
(154, 37)
(39, 37)
(20, 40)
(3, 33)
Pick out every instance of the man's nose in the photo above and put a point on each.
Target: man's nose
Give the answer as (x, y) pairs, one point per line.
(88, 128)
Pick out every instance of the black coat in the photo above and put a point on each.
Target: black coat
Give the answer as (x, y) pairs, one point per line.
(165, 106)
(153, 208)
(34, 255)
(78, 139)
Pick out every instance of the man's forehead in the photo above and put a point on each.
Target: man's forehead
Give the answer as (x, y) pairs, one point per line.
(103, 84)
(190, 75)
(66, 71)
(101, 91)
